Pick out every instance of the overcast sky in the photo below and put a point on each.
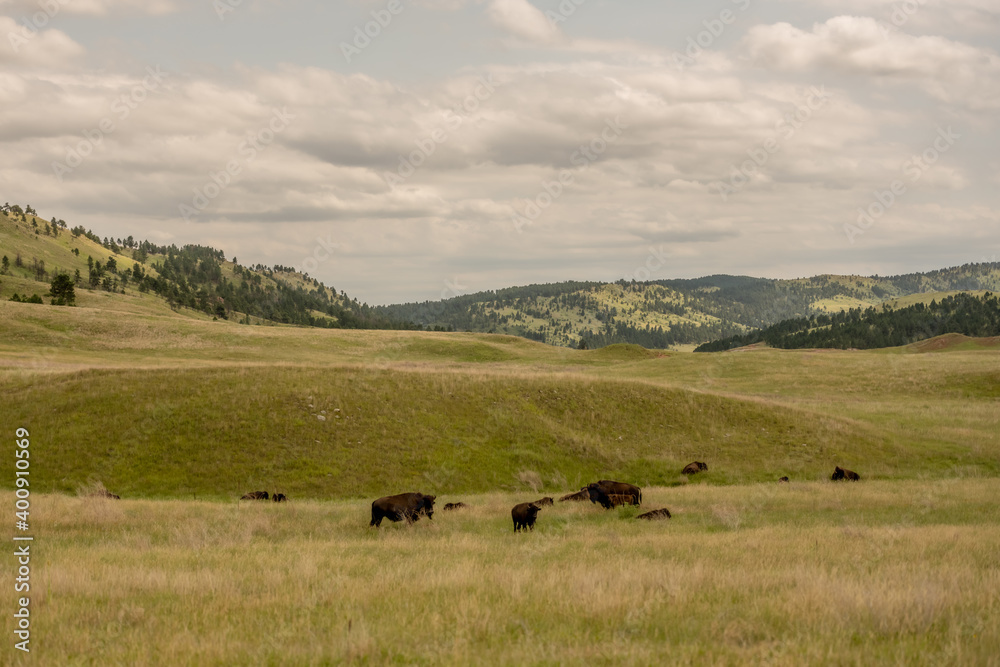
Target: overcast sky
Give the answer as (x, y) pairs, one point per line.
(414, 149)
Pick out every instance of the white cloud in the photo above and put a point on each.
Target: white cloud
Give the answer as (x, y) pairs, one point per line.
(31, 48)
(951, 71)
(523, 20)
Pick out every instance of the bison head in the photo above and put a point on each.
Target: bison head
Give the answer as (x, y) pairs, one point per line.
(428, 506)
(838, 473)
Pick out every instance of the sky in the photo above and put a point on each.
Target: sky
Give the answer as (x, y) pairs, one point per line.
(403, 150)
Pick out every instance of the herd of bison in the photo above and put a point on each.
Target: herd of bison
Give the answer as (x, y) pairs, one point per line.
(608, 494)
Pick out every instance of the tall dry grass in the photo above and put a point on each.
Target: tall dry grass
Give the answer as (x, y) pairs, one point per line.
(817, 573)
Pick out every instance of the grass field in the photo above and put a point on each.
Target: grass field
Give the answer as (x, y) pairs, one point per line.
(806, 573)
(182, 415)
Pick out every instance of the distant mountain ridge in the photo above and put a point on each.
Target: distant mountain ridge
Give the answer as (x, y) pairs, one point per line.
(669, 313)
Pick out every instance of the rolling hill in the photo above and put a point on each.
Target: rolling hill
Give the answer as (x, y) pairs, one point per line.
(676, 313)
(192, 281)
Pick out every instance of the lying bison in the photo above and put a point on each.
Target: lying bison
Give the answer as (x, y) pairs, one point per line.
(279, 498)
(694, 468)
(609, 493)
(841, 473)
(655, 514)
(783, 480)
(256, 495)
(524, 516)
(542, 502)
(404, 507)
(578, 496)
(454, 506)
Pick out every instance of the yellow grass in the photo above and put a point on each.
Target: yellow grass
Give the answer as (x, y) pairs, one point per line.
(817, 573)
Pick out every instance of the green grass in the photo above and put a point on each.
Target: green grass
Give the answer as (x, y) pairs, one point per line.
(164, 406)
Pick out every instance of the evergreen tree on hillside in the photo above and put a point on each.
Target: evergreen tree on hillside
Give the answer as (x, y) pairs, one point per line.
(61, 290)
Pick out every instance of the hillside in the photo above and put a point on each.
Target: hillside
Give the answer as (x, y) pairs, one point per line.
(891, 326)
(671, 313)
(141, 277)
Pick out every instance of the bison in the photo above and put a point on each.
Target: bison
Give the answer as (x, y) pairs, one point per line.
(842, 473)
(279, 498)
(542, 502)
(582, 494)
(524, 516)
(694, 468)
(655, 514)
(603, 491)
(403, 507)
(454, 506)
(256, 495)
(782, 480)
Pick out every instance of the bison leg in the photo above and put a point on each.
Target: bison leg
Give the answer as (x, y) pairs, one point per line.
(377, 516)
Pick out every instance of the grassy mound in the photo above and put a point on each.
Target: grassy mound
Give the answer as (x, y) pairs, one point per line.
(344, 432)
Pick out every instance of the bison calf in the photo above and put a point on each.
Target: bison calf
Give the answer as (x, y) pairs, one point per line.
(694, 468)
(655, 514)
(842, 473)
(609, 493)
(524, 516)
(403, 507)
(256, 495)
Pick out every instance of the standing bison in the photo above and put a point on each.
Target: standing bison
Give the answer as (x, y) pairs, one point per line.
(524, 516)
(609, 493)
(694, 468)
(404, 507)
(842, 473)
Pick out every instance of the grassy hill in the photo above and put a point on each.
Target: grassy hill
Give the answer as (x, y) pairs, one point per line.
(160, 405)
(677, 313)
(139, 277)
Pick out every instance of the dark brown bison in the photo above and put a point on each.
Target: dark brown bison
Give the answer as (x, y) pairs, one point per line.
(454, 506)
(524, 516)
(602, 492)
(782, 480)
(694, 468)
(256, 495)
(279, 498)
(582, 494)
(655, 514)
(542, 502)
(842, 473)
(403, 507)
